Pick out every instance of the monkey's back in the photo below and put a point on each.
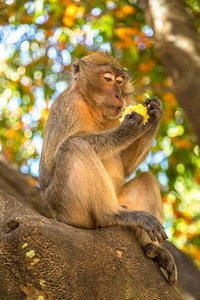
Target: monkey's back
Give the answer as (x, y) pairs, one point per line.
(60, 124)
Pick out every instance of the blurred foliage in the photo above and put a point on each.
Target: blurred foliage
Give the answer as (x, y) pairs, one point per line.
(39, 39)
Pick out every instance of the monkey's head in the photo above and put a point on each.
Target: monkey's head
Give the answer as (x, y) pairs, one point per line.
(102, 81)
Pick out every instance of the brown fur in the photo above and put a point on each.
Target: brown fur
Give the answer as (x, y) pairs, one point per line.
(87, 154)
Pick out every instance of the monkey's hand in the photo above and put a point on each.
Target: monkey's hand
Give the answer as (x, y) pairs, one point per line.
(154, 109)
(133, 124)
(164, 259)
(151, 225)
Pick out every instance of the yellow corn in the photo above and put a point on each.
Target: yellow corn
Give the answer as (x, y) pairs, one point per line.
(140, 109)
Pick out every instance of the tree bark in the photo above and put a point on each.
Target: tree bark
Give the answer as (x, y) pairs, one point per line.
(179, 45)
(41, 257)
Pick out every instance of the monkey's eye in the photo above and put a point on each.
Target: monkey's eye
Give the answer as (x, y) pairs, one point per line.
(119, 80)
(108, 77)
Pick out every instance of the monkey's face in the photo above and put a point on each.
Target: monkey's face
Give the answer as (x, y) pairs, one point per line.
(102, 81)
(109, 94)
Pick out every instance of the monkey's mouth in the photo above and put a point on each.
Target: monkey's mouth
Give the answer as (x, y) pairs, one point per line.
(114, 107)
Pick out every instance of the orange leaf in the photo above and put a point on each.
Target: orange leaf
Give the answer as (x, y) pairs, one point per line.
(128, 9)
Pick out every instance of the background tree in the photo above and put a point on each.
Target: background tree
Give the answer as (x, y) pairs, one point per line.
(39, 39)
(179, 45)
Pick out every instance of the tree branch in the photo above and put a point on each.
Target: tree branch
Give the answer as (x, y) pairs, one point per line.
(42, 257)
(18, 185)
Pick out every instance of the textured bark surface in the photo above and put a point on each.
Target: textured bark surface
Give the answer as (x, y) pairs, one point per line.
(179, 45)
(42, 257)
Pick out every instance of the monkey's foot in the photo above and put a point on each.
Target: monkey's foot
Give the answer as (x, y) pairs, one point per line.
(164, 259)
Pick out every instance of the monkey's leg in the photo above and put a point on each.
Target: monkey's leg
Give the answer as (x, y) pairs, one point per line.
(81, 193)
(143, 193)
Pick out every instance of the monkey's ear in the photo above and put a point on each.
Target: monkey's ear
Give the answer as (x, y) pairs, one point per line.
(76, 67)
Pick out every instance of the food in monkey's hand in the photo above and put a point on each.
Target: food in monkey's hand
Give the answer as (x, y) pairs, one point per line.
(140, 109)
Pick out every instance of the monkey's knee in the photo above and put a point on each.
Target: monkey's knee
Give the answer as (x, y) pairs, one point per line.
(149, 185)
(148, 180)
(145, 185)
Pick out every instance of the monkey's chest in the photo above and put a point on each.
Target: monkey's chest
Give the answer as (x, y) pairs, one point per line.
(115, 170)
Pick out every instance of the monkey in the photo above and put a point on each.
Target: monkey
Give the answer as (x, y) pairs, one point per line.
(88, 155)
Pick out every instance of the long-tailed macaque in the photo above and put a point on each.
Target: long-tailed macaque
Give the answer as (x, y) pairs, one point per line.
(88, 155)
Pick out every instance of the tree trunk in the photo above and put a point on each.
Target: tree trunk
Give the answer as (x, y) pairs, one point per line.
(44, 259)
(179, 45)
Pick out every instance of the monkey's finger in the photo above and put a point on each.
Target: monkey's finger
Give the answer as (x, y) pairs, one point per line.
(158, 235)
(133, 113)
(153, 112)
(150, 232)
(165, 237)
(137, 118)
(147, 101)
(127, 117)
(153, 105)
(157, 100)
(162, 230)
(141, 120)
(148, 229)
(161, 235)
(151, 235)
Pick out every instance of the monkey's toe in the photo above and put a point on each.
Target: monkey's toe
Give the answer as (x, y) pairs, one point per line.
(172, 275)
(151, 251)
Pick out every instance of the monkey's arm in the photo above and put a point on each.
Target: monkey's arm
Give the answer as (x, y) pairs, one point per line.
(136, 153)
(113, 141)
